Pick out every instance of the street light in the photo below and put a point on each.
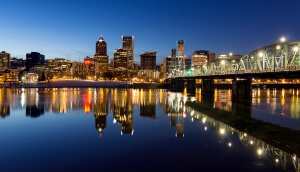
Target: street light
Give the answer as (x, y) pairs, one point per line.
(282, 39)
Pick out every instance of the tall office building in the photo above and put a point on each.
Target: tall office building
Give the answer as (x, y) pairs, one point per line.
(4, 60)
(148, 60)
(33, 59)
(121, 64)
(101, 58)
(200, 58)
(128, 44)
(148, 64)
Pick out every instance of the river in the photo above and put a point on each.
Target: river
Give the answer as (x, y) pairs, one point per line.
(115, 129)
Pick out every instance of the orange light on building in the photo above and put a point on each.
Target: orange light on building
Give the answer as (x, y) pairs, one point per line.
(87, 62)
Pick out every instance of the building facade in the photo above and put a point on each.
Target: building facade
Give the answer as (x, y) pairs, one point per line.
(89, 68)
(128, 45)
(101, 58)
(4, 60)
(200, 58)
(148, 65)
(121, 60)
(58, 68)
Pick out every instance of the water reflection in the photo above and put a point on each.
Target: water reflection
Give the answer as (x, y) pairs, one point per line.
(101, 102)
(282, 159)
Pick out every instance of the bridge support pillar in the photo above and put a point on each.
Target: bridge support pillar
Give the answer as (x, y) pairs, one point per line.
(241, 88)
(207, 91)
(177, 84)
(190, 85)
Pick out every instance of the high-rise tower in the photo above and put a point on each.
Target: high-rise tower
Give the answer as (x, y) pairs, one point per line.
(128, 45)
(101, 57)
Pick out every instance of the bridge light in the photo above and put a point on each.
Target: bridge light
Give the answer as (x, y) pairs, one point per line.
(282, 39)
(222, 62)
(259, 151)
(278, 47)
(260, 54)
(295, 48)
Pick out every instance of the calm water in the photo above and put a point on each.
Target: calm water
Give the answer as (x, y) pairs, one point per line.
(88, 129)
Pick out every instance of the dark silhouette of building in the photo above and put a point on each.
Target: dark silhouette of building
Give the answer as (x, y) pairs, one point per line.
(148, 61)
(101, 58)
(34, 111)
(33, 59)
(17, 63)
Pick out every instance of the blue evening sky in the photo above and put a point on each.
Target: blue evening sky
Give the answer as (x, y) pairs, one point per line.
(70, 28)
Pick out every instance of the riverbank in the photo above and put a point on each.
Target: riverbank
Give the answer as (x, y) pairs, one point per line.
(87, 83)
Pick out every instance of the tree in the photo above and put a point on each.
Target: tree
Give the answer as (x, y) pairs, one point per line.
(108, 75)
(43, 77)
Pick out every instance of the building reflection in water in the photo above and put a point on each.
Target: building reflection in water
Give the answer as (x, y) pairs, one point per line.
(4, 103)
(147, 104)
(34, 103)
(120, 102)
(123, 110)
(101, 109)
(176, 111)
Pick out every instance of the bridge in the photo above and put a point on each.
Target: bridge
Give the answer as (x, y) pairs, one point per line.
(273, 63)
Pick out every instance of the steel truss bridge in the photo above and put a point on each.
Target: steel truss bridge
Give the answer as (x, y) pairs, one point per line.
(275, 58)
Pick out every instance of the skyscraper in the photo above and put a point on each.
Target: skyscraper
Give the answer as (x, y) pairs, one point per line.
(128, 45)
(101, 58)
(148, 64)
(121, 64)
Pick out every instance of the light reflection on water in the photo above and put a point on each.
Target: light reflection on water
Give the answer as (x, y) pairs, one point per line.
(69, 120)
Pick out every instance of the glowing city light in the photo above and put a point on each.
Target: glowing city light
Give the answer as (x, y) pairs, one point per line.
(222, 131)
(278, 47)
(282, 39)
(295, 49)
(259, 151)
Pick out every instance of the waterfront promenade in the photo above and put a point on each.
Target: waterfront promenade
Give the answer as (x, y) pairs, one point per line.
(69, 83)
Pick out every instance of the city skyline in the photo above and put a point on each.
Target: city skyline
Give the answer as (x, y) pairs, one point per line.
(58, 29)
